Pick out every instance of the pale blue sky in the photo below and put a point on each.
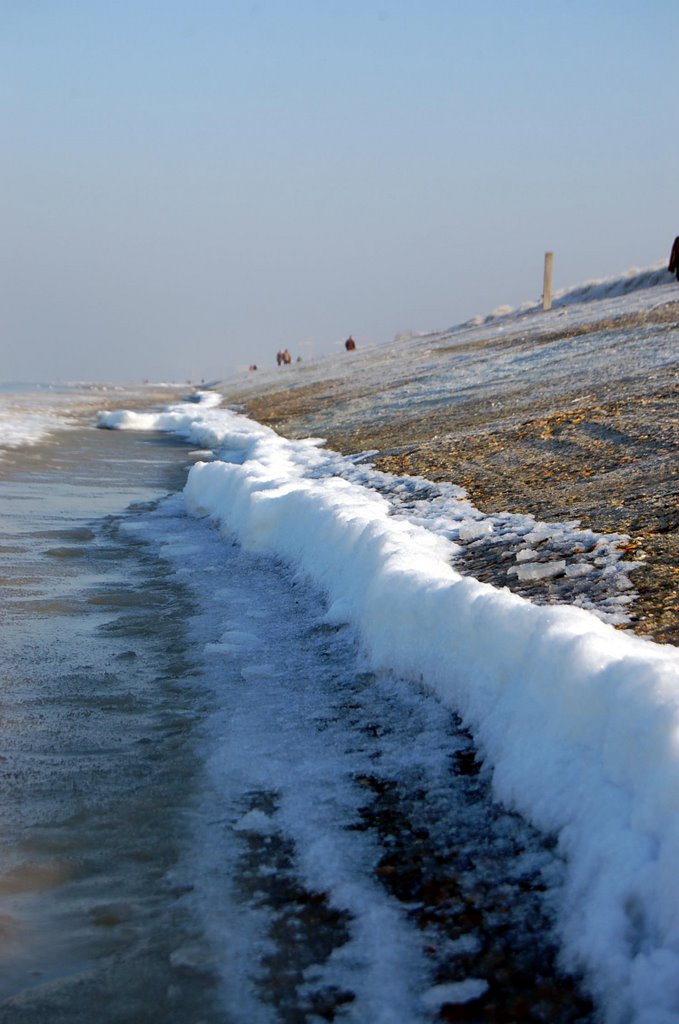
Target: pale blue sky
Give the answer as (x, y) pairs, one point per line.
(188, 186)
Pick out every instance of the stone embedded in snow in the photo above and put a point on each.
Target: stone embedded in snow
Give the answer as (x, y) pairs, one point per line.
(454, 992)
(538, 570)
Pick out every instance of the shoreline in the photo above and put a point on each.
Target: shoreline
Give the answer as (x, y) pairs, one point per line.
(75, 412)
(602, 449)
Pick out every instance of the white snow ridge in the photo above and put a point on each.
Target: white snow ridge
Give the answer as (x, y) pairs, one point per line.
(579, 721)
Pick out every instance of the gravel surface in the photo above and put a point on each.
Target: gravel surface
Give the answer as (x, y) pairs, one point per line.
(558, 416)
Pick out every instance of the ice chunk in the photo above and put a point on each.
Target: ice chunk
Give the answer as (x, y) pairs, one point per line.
(525, 555)
(220, 648)
(240, 637)
(538, 570)
(474, 529)
(255, 821)
(579, 569)
(454, 992)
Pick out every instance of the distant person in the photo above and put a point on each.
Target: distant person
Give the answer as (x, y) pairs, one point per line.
(674, 258)
(350, 344)
(279, 357)
(287, 358)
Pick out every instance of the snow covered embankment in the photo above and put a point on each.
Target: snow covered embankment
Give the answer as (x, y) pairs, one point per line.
(632, 280)
(580, 722)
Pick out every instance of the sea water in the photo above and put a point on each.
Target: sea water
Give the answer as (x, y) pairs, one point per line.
(97, 755)
(30, 412)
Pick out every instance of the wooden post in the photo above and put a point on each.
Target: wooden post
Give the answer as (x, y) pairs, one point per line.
(547, 284)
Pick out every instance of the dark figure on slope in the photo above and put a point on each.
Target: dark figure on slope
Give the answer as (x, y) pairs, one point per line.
(674, 258)
(350, 344)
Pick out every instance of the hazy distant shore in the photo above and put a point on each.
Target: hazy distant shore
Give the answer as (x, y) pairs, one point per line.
(35, 414)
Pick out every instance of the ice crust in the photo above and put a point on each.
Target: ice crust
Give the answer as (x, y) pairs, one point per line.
(579, 721)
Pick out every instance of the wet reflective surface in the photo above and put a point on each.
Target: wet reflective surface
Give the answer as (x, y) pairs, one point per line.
(97, 708)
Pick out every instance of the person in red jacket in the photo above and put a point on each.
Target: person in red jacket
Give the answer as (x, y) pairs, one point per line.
(674, 258)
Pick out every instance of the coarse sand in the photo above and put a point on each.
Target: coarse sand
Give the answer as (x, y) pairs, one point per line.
(601, 450)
